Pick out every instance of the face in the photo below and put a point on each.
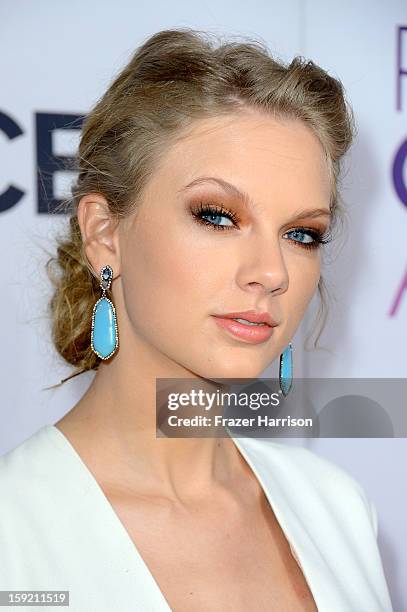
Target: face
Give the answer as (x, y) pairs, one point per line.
(228, 224)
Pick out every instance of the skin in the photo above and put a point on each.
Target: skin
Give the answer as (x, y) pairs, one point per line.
(170, 275)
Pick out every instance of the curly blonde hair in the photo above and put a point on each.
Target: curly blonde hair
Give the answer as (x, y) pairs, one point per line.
(174, 77)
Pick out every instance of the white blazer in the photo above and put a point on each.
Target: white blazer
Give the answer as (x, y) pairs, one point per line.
(58, 530)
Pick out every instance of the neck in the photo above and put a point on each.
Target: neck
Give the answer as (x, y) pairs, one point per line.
(115, 423)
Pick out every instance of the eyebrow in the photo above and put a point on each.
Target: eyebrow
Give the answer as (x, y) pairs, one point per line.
(244, 196)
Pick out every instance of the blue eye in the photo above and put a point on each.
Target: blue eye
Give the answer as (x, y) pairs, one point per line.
(306, 237)
(216, 216)
(210, 214)
(300, 236)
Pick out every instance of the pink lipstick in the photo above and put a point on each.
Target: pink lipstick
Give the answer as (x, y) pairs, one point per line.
(253, 327)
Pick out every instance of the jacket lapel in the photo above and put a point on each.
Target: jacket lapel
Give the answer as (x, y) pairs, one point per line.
(298, 514)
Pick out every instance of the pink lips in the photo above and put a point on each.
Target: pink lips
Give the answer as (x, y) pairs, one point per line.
(250, 333)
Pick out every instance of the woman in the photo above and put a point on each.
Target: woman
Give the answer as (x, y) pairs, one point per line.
(207, 186)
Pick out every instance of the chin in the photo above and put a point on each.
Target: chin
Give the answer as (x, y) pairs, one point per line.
(236, 372)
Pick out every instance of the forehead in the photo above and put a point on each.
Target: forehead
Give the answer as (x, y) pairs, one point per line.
(255, 151)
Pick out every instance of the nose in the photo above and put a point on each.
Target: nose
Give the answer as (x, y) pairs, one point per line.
(263, 269)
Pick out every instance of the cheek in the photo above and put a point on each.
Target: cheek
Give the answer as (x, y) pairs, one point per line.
(166, 282)
(304, 277)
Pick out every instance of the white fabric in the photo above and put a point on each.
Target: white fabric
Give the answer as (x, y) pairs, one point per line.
(58, 530)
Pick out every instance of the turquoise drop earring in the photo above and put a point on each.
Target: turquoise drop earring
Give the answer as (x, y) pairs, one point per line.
(285, 374)
(104, 334)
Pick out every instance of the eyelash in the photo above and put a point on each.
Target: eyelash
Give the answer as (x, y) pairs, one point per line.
(203, 209)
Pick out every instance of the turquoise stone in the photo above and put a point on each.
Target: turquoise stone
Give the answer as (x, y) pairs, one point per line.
(286, 370)
(104, 328)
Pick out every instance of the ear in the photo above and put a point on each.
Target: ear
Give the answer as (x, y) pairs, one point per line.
(99, 233)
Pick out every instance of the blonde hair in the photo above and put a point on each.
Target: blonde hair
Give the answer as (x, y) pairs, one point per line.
(174, 77)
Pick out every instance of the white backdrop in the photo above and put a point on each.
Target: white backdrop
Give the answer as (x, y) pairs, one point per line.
(58, 58)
